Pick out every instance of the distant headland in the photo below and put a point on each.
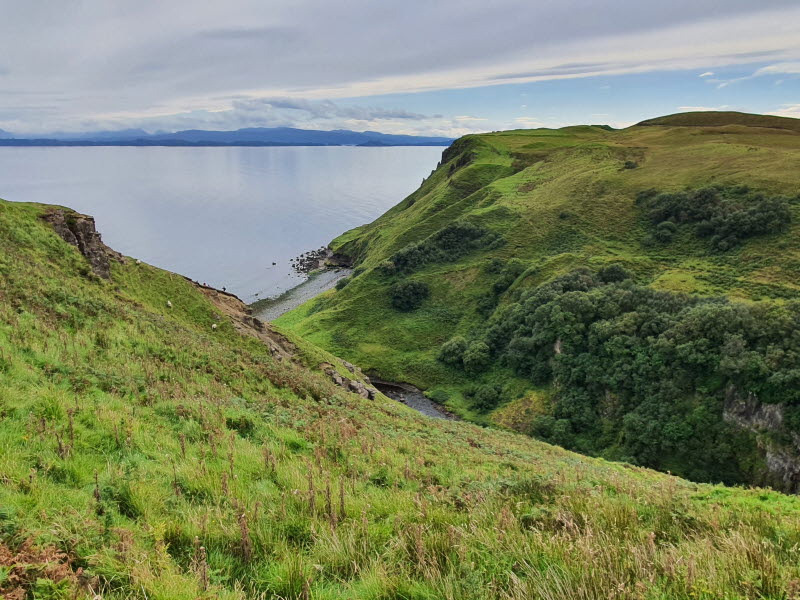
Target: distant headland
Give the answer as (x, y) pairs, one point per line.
(253, 136)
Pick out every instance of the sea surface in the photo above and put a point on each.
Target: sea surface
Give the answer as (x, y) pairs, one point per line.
(221, 216)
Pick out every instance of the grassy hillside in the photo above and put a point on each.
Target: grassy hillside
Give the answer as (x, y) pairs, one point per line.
(506, 213)
(147, 454)
(722, 118)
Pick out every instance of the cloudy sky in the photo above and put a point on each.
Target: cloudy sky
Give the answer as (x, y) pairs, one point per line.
(418, 66)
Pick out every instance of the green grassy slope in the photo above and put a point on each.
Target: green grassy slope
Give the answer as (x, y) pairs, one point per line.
(560, 200)
(144, 454)
(722, 118)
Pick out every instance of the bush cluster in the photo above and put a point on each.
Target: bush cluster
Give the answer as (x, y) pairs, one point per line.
(642, 375)
(407, 295)
(447, 244)
(473, 357)
(508, 272)
(726, 215)
(485, 397)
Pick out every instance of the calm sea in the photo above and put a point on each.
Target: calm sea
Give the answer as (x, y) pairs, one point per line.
(219, 215)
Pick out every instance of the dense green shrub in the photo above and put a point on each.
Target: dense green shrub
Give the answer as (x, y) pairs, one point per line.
(438, 396)
(447, 244)
(495, 266)
(452, 351)
(508, 272)
(342, 283)
(665, 231)
(488, 397)
(484, 397)
(408, 295)
(725, 215)
(477, 357)
(613, 273)
(642, 374)
(513, 269)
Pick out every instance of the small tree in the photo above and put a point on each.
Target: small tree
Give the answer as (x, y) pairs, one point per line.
(477, 357)
(487, 397)
(613, 273)
(452, 351)
(408, 295)
(665, 231)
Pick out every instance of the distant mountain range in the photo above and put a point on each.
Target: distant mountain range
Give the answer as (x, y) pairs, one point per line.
(253, 136)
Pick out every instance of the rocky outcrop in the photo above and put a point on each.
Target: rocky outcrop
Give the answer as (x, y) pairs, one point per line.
(80, 231)
(310, 261)
(335, 259)
(365, 390)
(748, 412)
(280, 347)
(245, 323)
(782, 460)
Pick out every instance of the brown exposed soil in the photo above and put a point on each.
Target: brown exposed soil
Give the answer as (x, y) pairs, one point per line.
(281, 348)
(245, 323)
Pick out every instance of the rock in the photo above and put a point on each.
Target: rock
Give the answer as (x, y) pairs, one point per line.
(782, 459)
(334, 376)
(79, 230)
(255, 323)
(748, 412)
(350, 367)
(310, 261)
(351, 385)
(358, 388)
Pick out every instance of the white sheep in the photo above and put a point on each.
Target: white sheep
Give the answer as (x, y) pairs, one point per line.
(169, 304)
(214, 326)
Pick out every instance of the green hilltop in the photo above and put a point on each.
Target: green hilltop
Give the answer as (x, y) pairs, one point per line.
(630, 294)
(723, 118)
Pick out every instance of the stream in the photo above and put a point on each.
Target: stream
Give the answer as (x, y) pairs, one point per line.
(413, 398)
(270, 309)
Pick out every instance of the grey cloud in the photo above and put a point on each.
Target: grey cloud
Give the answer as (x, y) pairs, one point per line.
(122, 61)
(324, 109)
(247, 33)
(565, 69)
(270, 112)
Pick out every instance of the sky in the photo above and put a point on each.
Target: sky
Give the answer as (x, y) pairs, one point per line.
(423, 67)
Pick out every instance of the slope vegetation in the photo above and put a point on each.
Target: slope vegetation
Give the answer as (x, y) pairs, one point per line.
(151, 450)
(662, 260)
(147, 453)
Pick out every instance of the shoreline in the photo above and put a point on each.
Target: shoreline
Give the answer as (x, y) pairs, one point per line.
(319, 281)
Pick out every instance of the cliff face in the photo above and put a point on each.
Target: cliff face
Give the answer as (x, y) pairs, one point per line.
(80, 231)
(782, 458)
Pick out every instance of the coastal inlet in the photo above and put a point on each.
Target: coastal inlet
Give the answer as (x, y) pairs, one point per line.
(323, 270)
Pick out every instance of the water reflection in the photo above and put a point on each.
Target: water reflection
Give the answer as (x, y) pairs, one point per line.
(219, 215)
